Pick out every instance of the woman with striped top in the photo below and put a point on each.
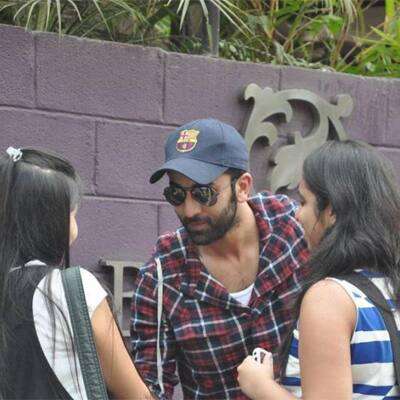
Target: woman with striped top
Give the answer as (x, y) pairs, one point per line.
(340, 348)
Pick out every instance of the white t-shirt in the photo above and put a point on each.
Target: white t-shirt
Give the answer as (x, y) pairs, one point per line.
(244, 295)
(61, 359)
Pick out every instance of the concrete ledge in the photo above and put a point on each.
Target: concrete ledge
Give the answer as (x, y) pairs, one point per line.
(99, 78)
(202, 87)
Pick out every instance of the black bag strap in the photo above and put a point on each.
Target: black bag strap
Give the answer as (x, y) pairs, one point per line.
(376, 297)
(83, 334)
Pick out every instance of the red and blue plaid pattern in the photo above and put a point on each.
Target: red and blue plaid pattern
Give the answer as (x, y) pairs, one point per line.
(205, 332)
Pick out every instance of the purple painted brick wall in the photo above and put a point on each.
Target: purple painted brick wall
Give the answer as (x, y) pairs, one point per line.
(108, 108)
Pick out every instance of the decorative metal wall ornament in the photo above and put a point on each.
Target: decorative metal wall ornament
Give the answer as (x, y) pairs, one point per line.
(288, 159)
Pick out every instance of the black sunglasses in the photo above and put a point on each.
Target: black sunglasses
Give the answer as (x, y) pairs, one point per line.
(205, 195)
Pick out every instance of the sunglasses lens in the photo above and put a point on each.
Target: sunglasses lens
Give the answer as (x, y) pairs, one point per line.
(175, 195)
(204, 195)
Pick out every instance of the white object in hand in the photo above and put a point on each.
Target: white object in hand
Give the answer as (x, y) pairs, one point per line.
(259, 354)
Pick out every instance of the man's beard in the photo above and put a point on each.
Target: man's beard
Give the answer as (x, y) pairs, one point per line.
(217, 228)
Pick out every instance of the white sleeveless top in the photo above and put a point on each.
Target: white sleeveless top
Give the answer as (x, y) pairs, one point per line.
(65, 366)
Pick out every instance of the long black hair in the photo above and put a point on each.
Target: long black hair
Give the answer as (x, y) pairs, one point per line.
(39, 190)
(360, 187)
(38, 193)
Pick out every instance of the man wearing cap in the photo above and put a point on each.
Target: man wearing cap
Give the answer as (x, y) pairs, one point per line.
(219, 286)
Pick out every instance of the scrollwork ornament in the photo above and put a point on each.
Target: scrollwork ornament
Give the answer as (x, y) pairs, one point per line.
(288, 159)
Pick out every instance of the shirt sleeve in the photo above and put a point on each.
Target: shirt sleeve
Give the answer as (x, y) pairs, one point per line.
(144, 335)
(94, 292)
(300, 252)
(298, 258)
(290, 205)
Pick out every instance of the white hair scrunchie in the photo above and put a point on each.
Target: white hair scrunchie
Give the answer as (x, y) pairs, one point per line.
(15, 154)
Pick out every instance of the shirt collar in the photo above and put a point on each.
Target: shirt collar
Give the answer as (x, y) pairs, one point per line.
(196, 280)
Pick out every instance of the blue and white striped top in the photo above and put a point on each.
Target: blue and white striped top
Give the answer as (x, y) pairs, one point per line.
(371, 353)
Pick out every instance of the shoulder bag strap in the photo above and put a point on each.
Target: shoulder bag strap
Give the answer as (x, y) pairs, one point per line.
(159, 317)
(83, 335)
(377, 298)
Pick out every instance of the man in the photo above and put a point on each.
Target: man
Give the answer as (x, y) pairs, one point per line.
(217, 287)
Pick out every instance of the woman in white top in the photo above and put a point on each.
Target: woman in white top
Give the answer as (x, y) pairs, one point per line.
(340, 348)
(39, 198)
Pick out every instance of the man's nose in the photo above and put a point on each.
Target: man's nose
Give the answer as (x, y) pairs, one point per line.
(191, 206)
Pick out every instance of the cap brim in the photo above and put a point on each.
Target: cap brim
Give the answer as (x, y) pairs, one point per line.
(197, 171)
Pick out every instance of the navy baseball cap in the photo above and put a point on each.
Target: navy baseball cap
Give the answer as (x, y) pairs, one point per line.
(202, 150)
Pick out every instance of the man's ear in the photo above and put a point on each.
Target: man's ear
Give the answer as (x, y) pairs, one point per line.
(243, 186)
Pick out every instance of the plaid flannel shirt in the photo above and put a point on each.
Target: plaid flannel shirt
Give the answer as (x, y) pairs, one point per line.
(205, 332)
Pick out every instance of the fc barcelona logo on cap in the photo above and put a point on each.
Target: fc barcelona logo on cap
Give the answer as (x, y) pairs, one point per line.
(187, 140)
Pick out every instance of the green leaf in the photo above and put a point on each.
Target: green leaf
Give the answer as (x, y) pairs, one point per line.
(370, 66)
(334, 23)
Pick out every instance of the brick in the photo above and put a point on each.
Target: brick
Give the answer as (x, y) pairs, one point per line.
(16, 67)
(72, 137)
(168, 221)
(98, 77)
(393, 155)
(127, 156)
(202, 87)
(114, 229)
(368, 119)
(393, 113)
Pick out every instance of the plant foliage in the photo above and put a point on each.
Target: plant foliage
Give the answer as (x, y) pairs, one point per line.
(308, 33)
